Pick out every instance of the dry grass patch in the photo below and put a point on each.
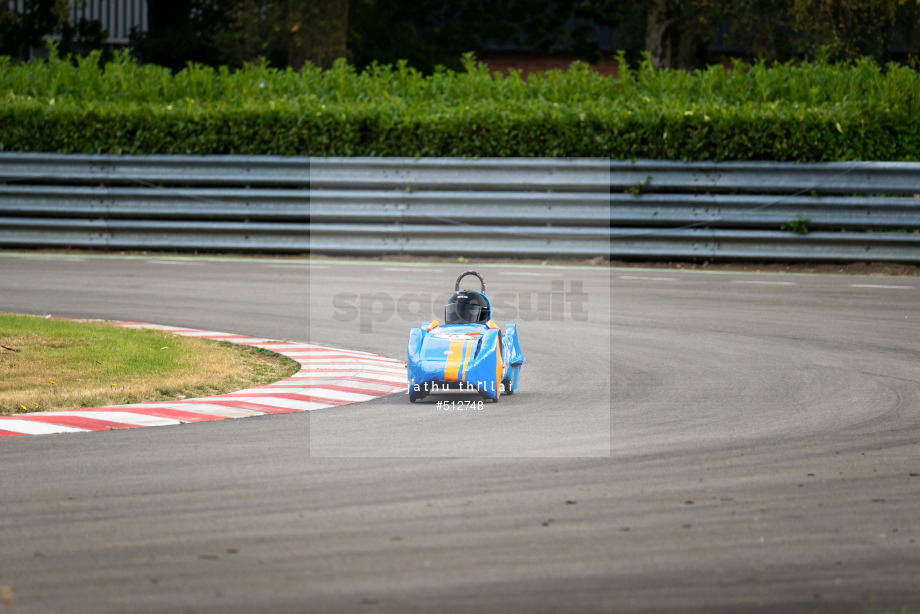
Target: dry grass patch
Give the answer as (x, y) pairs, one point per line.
(48, 365)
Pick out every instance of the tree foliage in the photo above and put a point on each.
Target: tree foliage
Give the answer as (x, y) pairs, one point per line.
(235, 32)
(286, 32)
(25, 30)
(778, 30)
(427, 34)
(180, 31)
(848, 29)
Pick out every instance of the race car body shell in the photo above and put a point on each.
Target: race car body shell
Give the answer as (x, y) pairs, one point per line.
(473, 357)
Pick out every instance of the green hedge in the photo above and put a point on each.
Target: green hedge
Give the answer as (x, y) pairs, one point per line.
(804, 112)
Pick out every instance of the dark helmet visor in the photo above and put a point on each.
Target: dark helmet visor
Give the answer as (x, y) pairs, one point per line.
(466, 308)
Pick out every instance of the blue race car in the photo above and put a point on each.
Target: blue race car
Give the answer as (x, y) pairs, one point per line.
(467, 352)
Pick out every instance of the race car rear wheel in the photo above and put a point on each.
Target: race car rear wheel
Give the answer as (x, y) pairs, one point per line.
(424, 391)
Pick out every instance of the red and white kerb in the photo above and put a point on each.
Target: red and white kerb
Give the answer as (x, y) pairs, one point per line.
(328, 377)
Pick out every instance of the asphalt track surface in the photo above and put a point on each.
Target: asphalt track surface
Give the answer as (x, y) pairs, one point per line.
(686, 442)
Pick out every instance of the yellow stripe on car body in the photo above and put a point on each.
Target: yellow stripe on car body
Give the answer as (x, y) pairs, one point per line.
(468, 349)
(454, 358)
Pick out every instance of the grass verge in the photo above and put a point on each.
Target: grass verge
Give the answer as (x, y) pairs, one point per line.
(48, 364)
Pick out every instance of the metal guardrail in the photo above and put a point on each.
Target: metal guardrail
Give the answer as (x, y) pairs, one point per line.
(556, 175)
(193, 171)
(512, 207)
(768, 177)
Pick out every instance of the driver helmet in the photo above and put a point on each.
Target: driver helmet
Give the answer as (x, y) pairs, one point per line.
(467, 307)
